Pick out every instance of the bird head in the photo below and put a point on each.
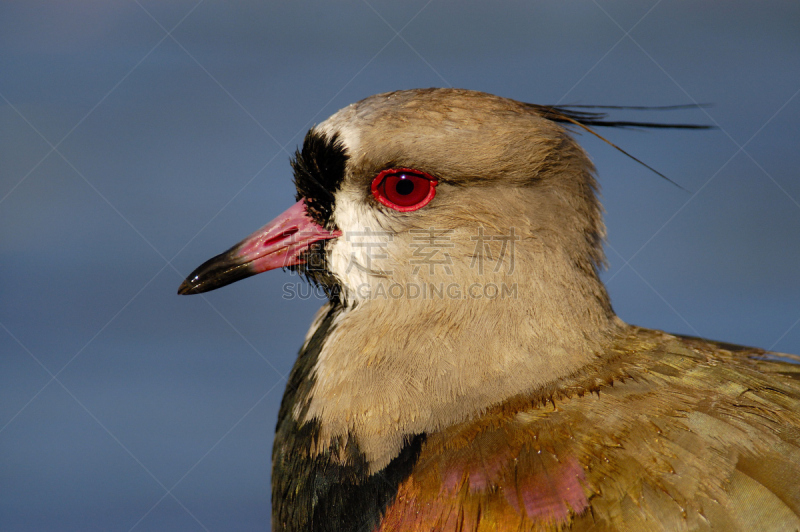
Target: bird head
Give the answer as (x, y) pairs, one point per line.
(459, 236)
(439, 188)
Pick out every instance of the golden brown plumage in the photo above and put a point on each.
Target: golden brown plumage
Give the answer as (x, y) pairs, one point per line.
(660, 433)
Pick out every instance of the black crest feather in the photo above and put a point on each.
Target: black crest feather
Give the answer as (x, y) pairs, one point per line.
(572, 114)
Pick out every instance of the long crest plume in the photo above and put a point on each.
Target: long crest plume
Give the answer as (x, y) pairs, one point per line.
(573, 115)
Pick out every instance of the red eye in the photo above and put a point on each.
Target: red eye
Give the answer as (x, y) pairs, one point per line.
(403, 189)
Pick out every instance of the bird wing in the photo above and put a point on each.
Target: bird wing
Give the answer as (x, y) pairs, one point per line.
(664, 433)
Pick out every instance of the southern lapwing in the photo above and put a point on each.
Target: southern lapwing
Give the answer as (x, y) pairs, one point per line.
(468, 372)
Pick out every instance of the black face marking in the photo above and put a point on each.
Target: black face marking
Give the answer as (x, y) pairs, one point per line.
(319, 493)
(318, 173)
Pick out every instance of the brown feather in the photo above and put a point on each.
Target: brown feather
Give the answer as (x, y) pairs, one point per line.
(661, 433)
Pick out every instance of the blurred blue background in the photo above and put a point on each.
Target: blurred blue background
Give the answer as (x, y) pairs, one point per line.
(139, 138)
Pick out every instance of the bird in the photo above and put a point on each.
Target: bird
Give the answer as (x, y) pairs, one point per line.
(467, 371)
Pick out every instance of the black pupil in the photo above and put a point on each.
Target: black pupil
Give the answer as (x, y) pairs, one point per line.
(404, 187)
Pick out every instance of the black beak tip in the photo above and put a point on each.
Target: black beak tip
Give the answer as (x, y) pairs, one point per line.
(215, 273)
(186, 288)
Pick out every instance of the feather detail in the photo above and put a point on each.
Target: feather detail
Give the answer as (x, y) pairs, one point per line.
(664, 433)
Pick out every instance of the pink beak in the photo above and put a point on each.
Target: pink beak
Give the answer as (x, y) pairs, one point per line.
(278, 244)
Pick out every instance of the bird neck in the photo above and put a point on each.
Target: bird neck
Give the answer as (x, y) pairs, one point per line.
(393, 367)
